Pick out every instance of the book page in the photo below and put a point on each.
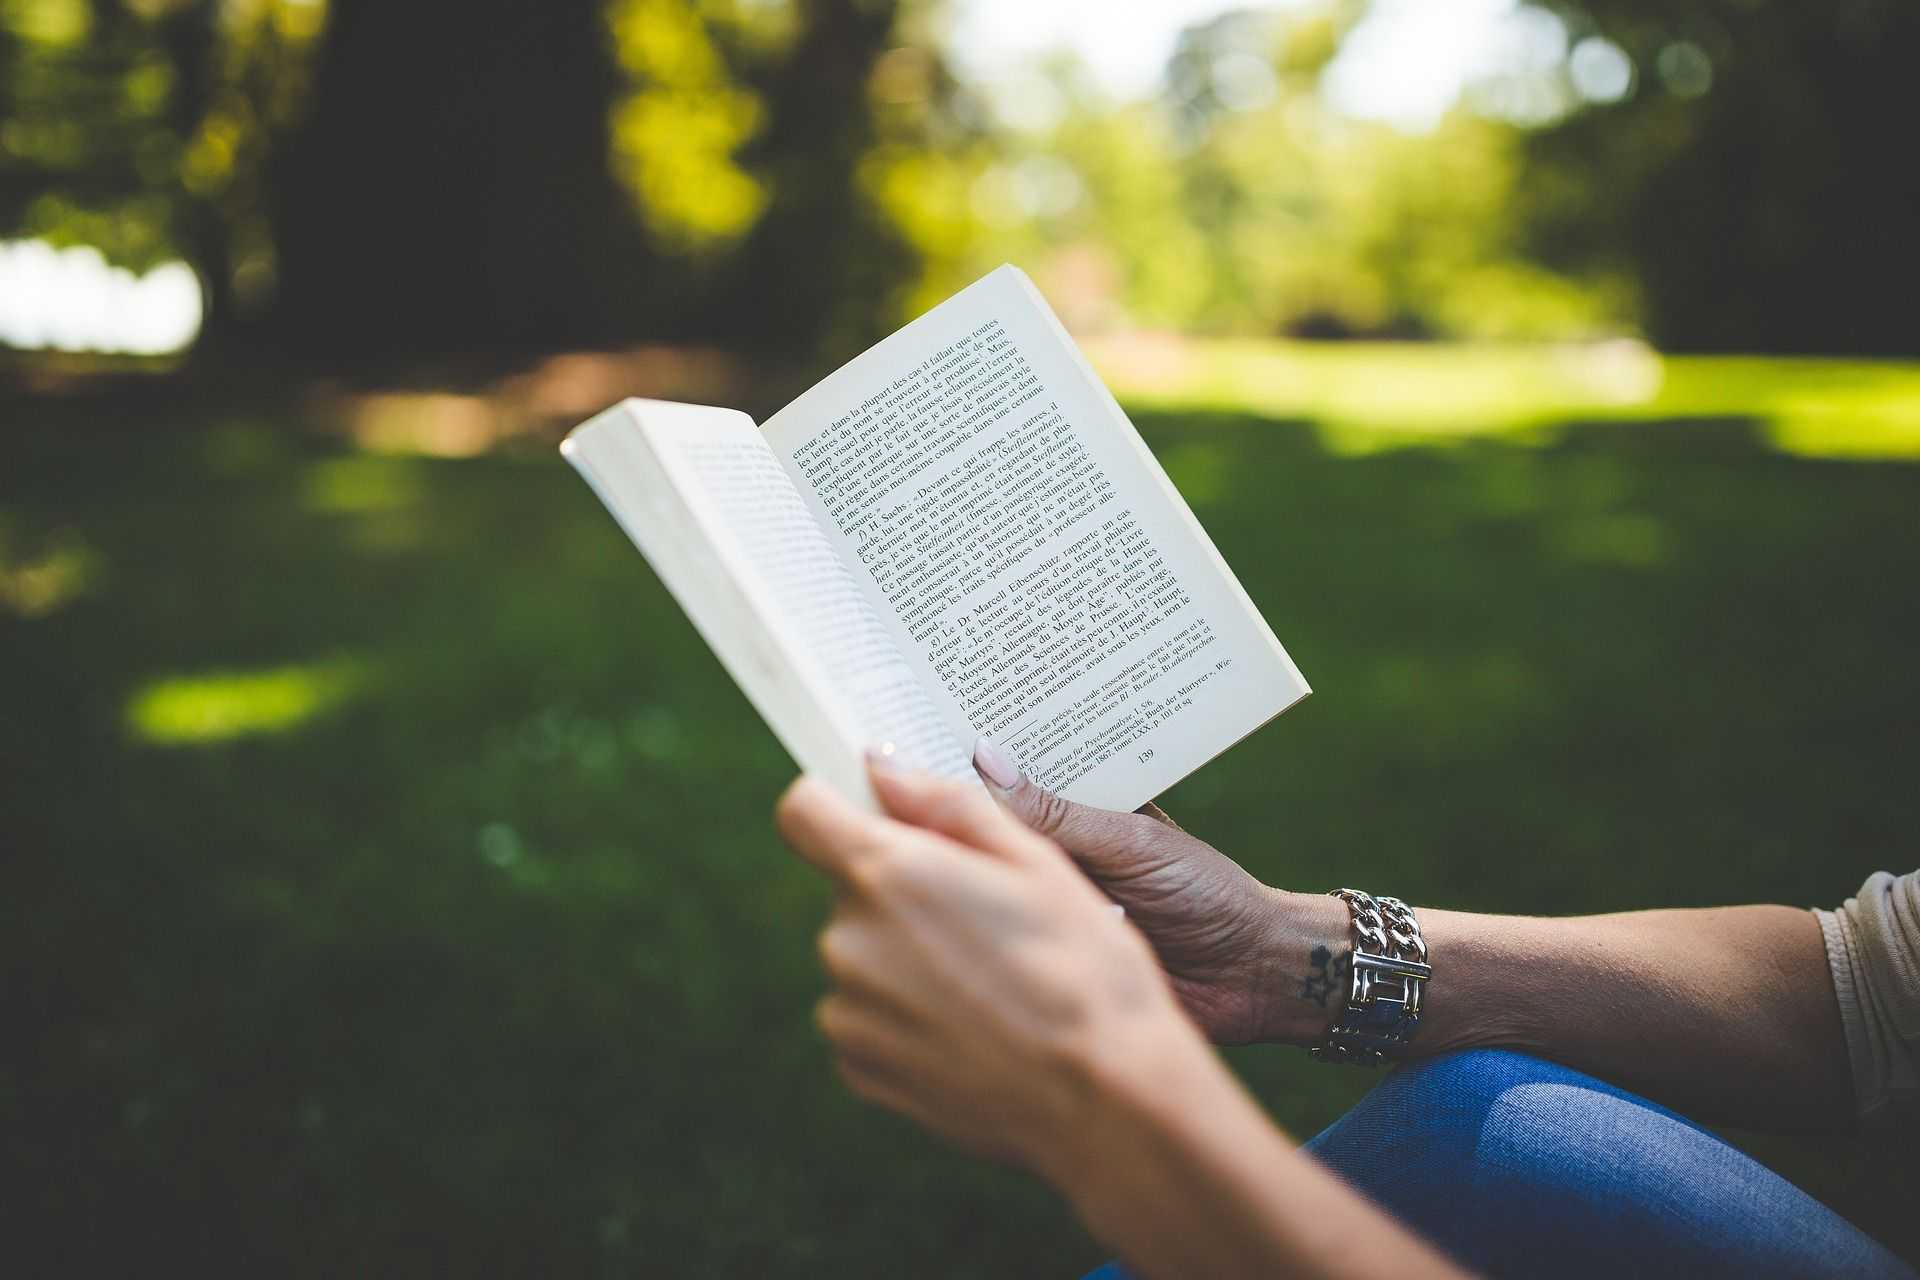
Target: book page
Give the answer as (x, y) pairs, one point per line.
(1030, 556)
(733, 539)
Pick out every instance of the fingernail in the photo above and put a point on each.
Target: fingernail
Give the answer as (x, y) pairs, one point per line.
(881, 758)
(994, 766)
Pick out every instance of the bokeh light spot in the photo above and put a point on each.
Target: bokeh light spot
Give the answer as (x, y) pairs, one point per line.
(217, 706)
(34, 585)
(56, 23)
(1600, 70)
(500, 844)
(358, 485)
(1244, 82)
(74, 300)
(1685, 69)
(1622, 539)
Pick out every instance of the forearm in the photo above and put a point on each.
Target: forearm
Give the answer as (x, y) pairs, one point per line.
(1725, 1012)
(1183, 1175)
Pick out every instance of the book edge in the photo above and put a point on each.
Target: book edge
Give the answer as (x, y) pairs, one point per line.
(1159, 473)
(835, 756)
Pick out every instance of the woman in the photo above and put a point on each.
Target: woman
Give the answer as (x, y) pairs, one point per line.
(985, 988)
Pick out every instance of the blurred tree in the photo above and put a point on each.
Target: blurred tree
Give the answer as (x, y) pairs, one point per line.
(1239, 201)
(1755, 179)
(468, 180)
(142, 129)
(826, 266)
(370, 186)
(448, 193)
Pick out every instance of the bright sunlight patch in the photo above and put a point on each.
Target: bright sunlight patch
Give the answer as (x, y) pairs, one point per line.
(216, 706)
(1364, 397)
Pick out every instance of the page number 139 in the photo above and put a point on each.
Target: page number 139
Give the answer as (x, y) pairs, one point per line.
(1146, 755)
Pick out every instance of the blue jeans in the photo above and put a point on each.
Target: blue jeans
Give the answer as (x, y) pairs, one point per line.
(1519, 1167)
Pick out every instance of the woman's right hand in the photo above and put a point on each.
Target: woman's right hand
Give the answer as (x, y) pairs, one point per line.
(1222, 936)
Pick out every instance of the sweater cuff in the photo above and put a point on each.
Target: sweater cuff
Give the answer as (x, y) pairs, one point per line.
(1834, 930)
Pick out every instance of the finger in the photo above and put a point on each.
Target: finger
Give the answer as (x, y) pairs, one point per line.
(872, 1083)
(1093, 836)
(859, 1029)
(953, 809)
(826, 830)
(853, 957)
(873, 1058)
(893, 1088)
(1154, 811)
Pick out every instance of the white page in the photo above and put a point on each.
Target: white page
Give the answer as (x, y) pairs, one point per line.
(701, 494)
(1035, 565)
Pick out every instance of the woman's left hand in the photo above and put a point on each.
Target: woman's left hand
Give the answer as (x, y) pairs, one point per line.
(983, 986)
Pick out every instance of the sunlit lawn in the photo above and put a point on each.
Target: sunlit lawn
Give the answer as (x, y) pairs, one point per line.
(1364, 397)
(390, 886)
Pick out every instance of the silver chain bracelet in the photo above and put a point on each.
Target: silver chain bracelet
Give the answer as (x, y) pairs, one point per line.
(1388, 973)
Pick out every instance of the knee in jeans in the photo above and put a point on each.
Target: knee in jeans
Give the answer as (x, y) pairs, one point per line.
(1426, 1114)
(1470, 1080)
(1435, 1113)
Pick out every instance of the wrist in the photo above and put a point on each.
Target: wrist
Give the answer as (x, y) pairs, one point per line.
(1142, 1092)
(1175, 1167)
(1125, 1076)
(1297, 968)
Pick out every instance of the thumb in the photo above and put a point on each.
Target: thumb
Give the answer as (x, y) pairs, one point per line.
(1095, 837)
(1154, 811)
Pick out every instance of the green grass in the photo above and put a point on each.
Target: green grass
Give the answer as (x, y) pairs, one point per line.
(1365, 397)
(390, 886)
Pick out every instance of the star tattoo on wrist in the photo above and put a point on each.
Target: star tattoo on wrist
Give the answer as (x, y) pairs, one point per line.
(1326, 974)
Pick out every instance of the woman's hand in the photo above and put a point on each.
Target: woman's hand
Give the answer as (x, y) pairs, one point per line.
(982, 986)
(986, 990)
(1221, 934)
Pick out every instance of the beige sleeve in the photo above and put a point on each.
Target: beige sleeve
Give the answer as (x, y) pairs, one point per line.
(1873, 949)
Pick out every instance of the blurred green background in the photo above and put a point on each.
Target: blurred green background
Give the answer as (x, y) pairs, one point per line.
(389, 884)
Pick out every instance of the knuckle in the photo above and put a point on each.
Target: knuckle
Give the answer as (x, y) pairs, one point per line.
(878, 872)
(857, 1081)
(789, 811)
(830, 1016)
(836, 950)
(1133, 830)
(1045, 811)
(948, 806)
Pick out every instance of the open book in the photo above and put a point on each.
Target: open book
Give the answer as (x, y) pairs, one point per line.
(958, 534)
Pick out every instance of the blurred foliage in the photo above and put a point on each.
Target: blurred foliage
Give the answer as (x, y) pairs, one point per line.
(1757, 179)
(457, 183)
(144, 128)
(441, 926)
(363, 184)
(1241, 202)
(676, 133)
